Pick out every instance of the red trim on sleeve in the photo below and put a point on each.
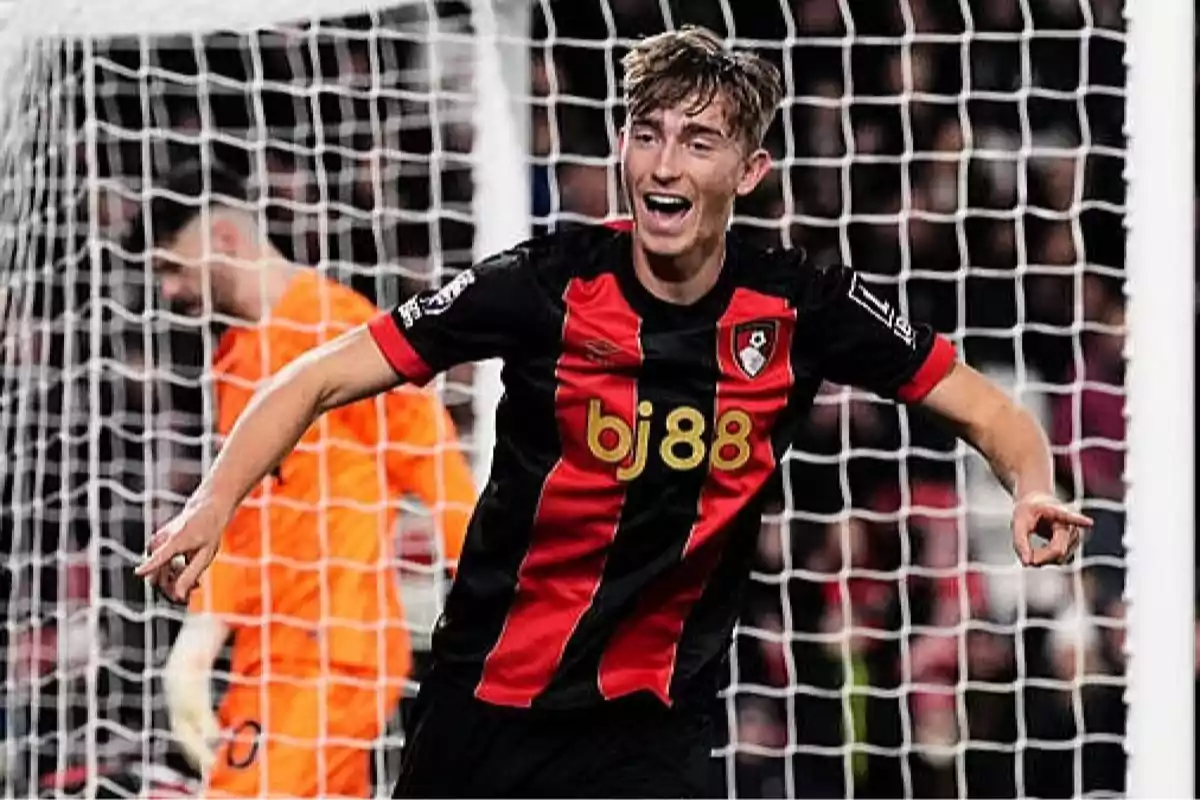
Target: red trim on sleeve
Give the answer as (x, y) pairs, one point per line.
(937, 365)
(396, 349)
(620, 224)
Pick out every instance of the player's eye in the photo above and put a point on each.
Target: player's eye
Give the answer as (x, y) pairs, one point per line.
(702, 146)
(643, 136)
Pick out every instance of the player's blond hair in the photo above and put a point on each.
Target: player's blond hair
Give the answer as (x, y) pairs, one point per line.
(692, 65)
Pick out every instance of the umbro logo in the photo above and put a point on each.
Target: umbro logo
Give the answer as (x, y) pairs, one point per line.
(600, 351)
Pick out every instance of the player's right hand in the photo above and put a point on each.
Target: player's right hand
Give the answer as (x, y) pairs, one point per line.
(181, 550)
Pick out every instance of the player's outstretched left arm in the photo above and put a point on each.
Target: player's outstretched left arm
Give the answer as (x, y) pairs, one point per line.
(1017, 449)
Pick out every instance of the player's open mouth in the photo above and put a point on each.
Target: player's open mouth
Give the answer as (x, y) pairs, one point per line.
(666, 210)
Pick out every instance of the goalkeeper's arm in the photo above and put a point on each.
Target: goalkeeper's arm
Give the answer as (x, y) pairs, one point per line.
(187, 681)
(349, 368)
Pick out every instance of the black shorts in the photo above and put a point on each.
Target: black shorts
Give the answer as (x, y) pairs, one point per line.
(459, 746)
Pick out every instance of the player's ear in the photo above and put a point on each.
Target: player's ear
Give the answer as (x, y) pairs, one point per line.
(226, 236)
(754, 169)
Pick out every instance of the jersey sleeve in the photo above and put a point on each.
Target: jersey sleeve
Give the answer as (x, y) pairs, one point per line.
(853, 337)
(482, 313)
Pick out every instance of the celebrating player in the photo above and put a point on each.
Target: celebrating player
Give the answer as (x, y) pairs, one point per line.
(304, 582)
(654, 378)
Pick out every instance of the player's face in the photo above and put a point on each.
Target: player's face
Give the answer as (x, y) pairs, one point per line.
(190, 265)
(682, 173)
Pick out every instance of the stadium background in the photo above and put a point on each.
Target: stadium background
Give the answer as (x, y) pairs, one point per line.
(374, 187)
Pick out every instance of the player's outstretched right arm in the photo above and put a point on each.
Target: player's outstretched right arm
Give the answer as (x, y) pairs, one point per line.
(342, 371)
(484, 312)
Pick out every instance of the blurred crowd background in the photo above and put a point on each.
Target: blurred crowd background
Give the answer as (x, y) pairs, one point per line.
(966, 156)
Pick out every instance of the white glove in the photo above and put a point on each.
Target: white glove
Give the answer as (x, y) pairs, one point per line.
(188, 683)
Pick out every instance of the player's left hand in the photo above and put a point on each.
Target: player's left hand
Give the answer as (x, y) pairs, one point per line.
(1046, 516)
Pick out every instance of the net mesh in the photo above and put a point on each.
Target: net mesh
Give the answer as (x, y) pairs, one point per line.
(965, 156)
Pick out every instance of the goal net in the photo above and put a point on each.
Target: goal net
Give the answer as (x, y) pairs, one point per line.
(966, 157)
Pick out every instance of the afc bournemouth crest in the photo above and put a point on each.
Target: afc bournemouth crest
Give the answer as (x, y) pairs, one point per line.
(754, 344)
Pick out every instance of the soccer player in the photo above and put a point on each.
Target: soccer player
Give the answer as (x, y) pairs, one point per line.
(304, 582)
(654, 378)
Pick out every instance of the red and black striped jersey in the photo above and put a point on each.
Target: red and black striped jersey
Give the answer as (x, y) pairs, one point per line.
(609, 549)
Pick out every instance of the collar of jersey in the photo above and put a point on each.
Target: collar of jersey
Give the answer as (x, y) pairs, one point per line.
(709, 307)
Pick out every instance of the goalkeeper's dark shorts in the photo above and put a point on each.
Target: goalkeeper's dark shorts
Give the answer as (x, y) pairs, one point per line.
(459, 746)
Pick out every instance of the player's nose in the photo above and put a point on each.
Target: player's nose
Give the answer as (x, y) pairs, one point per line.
(666, 165)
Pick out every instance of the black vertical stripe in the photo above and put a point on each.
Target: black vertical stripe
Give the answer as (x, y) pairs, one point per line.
(708, 628)
(527, 447)
(710, 623)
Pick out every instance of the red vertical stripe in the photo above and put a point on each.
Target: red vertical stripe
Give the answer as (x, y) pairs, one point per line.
(580, 506)
(641, 654)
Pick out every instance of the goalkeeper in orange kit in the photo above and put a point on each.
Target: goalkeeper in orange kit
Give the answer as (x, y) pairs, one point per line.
(303, 580)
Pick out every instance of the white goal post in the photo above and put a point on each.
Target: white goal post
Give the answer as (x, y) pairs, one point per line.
(1161, 387)
(966, 157)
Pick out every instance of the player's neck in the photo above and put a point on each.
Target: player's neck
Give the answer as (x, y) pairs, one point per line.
(683, 279)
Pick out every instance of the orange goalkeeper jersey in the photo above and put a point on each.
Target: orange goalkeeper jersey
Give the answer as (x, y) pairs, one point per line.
(304, 575)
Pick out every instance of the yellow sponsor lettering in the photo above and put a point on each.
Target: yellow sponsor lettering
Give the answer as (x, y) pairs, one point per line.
(613, 440)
